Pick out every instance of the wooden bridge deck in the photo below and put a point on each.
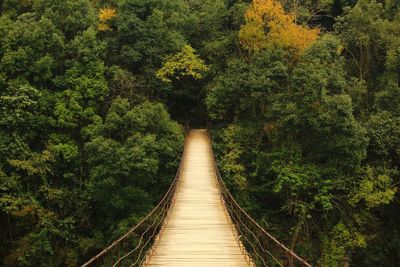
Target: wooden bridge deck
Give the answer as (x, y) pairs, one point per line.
(198, 231)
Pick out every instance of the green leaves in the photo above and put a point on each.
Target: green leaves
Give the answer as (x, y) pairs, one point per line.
(184, 64)
(308, 143)
(243, 89)
(131, 154)
(149, 29)
(374, 190)
(383, 130)
(323, 154)
(37, 164)
(232, 168)
(340, 243)
(20, 108)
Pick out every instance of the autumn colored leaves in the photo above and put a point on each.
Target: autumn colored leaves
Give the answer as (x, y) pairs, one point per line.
(186, 63)
(105, 15)
(267, 24)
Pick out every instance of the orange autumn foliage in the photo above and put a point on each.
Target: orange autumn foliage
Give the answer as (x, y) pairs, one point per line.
(267, 23)
(106, 14)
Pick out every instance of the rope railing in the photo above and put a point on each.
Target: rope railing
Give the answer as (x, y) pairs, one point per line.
(263, 248)
(133, 248)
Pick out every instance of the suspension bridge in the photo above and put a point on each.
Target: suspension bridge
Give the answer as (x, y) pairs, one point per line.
(197, 223)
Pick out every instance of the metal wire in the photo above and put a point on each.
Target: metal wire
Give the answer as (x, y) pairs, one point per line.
(141, 238)
(281, 252)
(256, 238)
(248, 242)
(251, 234)
(160, 211)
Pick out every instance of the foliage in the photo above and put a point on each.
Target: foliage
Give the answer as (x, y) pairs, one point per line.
(243, 89)
(374, 191)
(148, 30)
(269, 16)
(338, 247)
(314, 141)
(131, 153)
(105, 15)
(306, 121)
(184, 64)
(54, 114)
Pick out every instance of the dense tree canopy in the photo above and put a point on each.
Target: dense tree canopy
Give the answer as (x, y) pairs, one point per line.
(269, 16)
(303, 96)
(64, 128)
(308, 141)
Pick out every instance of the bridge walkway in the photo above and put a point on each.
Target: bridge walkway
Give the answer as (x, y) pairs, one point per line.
(198, 231)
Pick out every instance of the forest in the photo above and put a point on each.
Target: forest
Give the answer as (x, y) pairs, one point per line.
(303, 97)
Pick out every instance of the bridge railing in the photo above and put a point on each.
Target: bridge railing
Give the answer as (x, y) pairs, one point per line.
(263, 248)
(133, 248)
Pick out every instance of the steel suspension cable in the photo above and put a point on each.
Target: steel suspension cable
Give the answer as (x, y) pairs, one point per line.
(140, 241)
(108, 253)
(228, 198)
(256, 238)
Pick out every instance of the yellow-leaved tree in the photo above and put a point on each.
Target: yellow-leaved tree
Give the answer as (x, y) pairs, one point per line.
(268, 24)
(185, 63)
(105, 15)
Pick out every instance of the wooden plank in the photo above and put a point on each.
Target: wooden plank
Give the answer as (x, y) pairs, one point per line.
(198, 231)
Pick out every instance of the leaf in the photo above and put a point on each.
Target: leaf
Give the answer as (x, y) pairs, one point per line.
(105, 15)
(374, 190)
(183, 64)
(267, 24)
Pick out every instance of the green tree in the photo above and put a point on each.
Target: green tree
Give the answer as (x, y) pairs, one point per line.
(132, 154)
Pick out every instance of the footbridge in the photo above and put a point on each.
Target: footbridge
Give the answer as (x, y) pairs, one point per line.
(197, 224)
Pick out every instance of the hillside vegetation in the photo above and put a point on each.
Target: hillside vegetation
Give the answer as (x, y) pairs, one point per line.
(303, 97)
